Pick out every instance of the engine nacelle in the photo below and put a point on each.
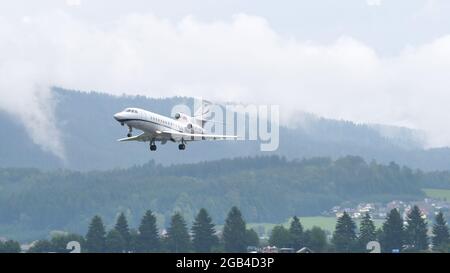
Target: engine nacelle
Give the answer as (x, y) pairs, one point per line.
(189, 122)
(182, 117)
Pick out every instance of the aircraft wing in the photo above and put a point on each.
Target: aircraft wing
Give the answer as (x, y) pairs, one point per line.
(141, 137)
(174, 135)
(188, 136)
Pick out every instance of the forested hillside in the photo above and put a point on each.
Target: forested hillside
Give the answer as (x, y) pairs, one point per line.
(267, 189)
(89, 135)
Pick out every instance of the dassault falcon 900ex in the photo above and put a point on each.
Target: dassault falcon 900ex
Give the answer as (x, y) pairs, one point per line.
(182, 128)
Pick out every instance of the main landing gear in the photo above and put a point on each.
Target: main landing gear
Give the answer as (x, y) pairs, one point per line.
(130, 130)
(152, 146)
(182, 146)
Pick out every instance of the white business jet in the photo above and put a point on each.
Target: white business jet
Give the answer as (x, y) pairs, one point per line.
(182, 128)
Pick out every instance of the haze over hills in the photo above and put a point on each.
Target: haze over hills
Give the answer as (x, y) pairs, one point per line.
(128, 177)
(89, 135)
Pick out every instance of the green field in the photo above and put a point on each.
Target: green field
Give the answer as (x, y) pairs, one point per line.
(438, 193)
(326, 223)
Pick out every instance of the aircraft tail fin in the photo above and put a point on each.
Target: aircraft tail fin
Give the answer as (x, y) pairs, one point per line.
(202, 113)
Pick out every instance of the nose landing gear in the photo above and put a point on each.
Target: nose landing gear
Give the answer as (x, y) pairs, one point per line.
(152, 146)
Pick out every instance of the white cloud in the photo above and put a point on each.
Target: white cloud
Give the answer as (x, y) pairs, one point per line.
(24, 93)
(72, 3)
(373, 2)
(240, 60)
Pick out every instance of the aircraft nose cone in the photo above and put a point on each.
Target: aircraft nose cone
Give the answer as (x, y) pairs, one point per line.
(117, 116)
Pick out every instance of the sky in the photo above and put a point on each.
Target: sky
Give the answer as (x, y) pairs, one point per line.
(368, 61)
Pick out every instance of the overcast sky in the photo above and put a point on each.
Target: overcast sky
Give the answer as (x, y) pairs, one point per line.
(362, 60)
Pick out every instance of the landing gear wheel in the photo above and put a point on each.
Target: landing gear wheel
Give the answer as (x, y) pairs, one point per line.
(129, 135)
(152, 146)
(181, 146)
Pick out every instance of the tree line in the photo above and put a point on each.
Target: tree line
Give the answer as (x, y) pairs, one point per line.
(201, 237)
(395, 235)
(61, 199)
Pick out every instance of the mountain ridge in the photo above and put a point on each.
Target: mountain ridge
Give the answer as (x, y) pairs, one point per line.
(90, 143)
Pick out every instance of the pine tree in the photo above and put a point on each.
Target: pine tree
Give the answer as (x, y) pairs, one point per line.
(296, 230)
(367, 232)
(251, 238)
(441, 236)
(9, 247)
(148, 238)
(60, 241)
(114, 242)
(379, 234)
(393, 233)
(316, 239)
(234, 232)
(344, 236)
(134, 240)
(95, 237)
(178, 239)
(280, 237)
(122, 227)
(416, 230)
(203, 232)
